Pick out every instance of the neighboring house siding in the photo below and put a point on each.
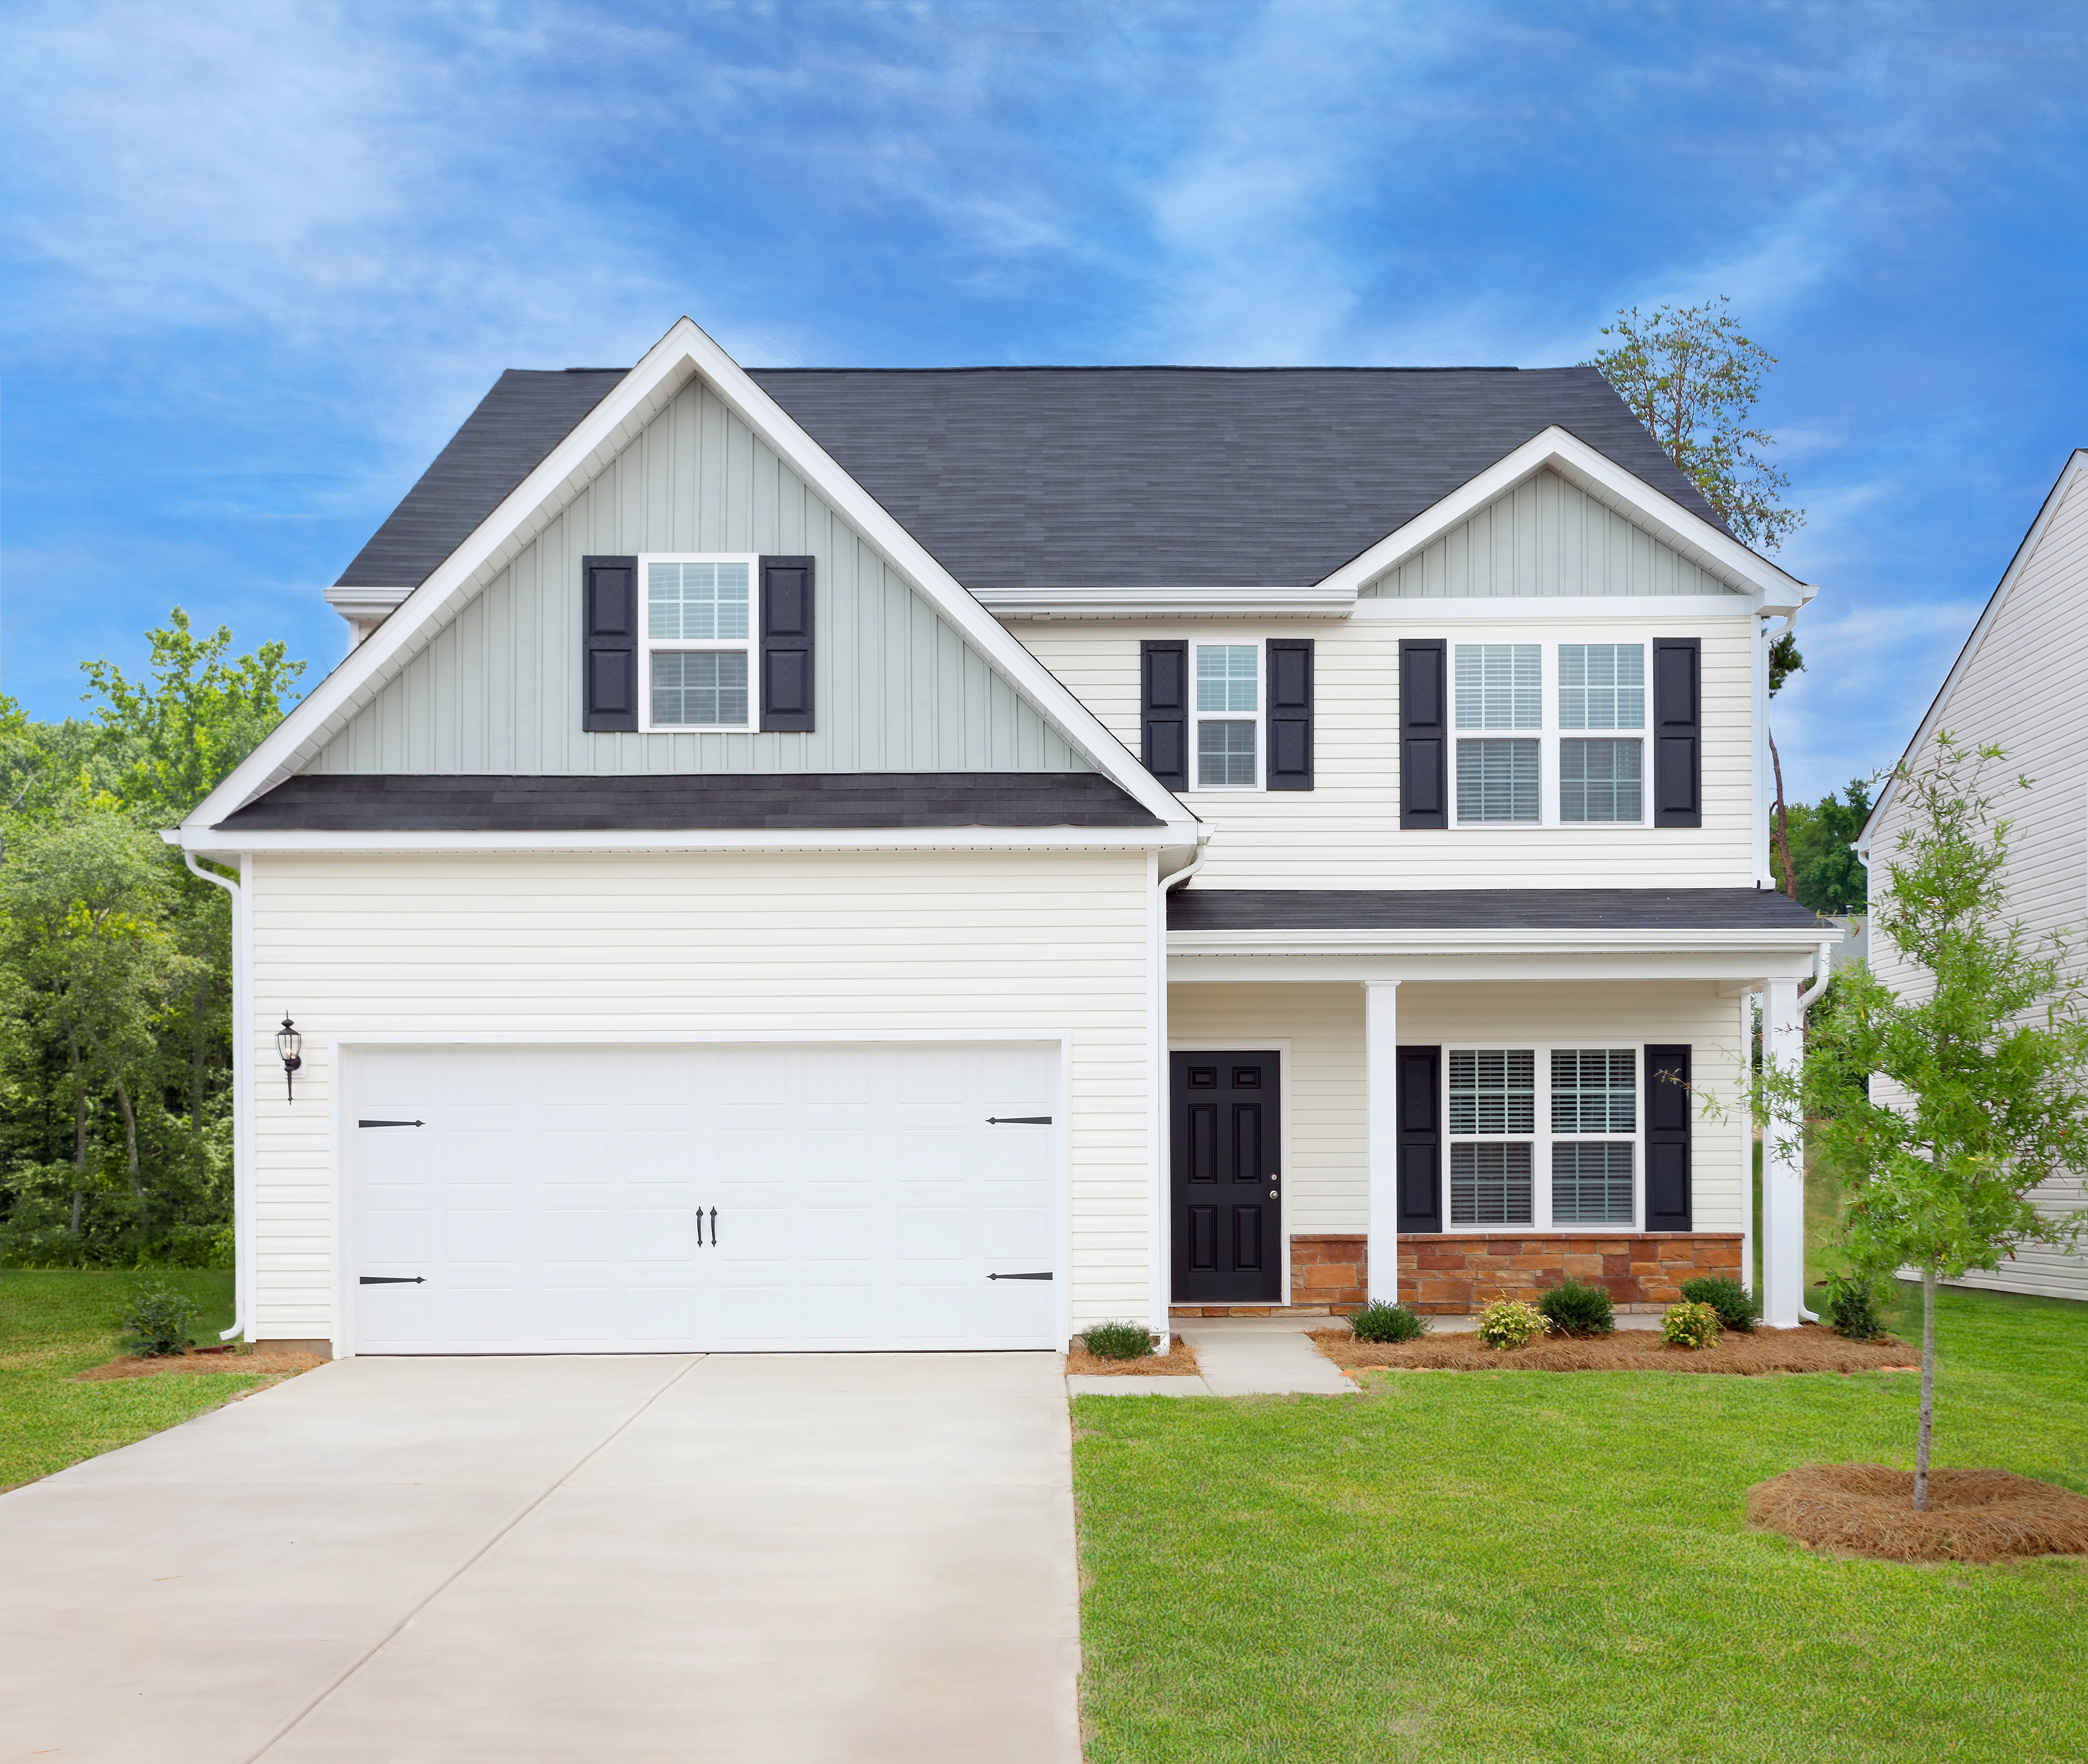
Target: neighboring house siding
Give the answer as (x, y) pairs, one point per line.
(1023, 945)
(1545, 537)
(2020, 689)
(1345, 832)
(897, 689)
(1327, 1112)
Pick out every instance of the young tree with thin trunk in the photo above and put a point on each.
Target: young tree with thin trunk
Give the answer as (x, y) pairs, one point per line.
(1784, 660)
(1986, 1057)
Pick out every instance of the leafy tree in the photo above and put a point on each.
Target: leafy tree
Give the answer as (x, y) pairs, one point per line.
(1784, 660)
(1691, 376)
(1828, 877)
(1986, 1057)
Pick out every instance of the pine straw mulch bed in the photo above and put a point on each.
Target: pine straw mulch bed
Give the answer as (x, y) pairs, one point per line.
(1804, 1349)
(1179, 1361)
(255, 1364)
(1973, 1516)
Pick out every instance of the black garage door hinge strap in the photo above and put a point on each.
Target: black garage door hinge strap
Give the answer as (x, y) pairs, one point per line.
(1018, 1120)
(392, 1280)
(1018, 1276)
(391, 1124)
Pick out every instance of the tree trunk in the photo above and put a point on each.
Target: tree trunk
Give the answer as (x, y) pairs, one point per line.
(1782, 821)
(1927, 1429)
(199, 1004)
(79, 1135)
(130, 1148)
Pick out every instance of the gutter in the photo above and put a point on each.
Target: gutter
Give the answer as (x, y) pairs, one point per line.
(242, 1081)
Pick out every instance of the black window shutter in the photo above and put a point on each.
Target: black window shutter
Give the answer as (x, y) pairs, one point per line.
(1420, 1130)
(786, 643)
(1289, 714)
(1668, 1111)
(1424, 735)
(609, 643)
(1164, 688)
(1678, 732)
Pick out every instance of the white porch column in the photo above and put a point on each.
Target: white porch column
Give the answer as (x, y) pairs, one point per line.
(1783, 1170)
(1381, 1118)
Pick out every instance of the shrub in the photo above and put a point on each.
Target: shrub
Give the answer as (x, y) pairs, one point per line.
(156, 1320)
(1378, 1322)
(1852, 1307)
(1737, 1307)
(1118, 1341)
(1573, 1308)
(1510, 1323)
(1690, 1325)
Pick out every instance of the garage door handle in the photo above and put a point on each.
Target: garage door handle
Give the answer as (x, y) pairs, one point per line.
(1018, 1120)
(392, 1280)
(1018, 1276)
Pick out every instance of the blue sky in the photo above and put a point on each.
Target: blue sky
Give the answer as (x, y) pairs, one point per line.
(259, 260)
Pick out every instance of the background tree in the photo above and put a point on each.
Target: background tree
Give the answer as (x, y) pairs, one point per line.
(1986, 1057)
(1828, 877)
(1692, 377)
(1784, 660)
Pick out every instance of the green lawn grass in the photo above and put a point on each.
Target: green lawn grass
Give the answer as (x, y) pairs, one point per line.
(1538, 1566)
(56, 1322)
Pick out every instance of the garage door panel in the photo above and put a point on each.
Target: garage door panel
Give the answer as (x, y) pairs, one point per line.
(551, 1202)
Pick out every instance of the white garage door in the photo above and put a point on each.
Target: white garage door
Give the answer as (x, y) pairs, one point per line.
(599, 1200)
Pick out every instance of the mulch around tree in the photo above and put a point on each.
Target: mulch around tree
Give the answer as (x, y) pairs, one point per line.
(253, 1365)
(1804, 1349)
(1179, 1361)
(1973, 1515)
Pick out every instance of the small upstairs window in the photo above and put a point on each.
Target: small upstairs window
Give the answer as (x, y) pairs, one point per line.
(699, 643)
(1228, 714)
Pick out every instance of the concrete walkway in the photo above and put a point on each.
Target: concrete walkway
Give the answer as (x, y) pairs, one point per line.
(1240, 1357)
(442, 1561)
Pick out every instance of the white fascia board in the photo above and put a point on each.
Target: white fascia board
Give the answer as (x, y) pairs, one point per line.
(1168, 603)
(1526, 609)
(684, 353)
(2076, 464)
(211, 842)
(366, 604)
(1732, 970)
(1621, 940)
(1610, 484)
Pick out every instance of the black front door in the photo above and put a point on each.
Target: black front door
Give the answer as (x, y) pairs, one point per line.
(1228, 1218)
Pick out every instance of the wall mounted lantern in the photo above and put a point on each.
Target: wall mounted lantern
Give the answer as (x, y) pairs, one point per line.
(287, 1042)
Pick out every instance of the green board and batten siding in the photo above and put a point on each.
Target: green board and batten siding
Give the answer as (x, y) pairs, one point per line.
(1546, 536)
(498, 690)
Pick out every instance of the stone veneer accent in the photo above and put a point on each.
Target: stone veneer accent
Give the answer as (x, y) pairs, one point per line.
(1452, 1274)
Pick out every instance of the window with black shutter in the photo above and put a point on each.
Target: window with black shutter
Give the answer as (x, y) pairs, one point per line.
(786, 643)
(1423, 734)
(1678, 716)
(1668, 1113)
(1163, 712)
(609, 644)
(1419, 1086)
(1289, 714)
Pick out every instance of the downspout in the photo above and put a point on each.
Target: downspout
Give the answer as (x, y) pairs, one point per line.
(242, 1086)
(1185, 872)
(1823, 971)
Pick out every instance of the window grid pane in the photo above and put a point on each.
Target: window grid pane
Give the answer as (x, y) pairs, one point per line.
(1500, 686)
(1594, 1090)
(1493, 1091)
(1591, 1183)
(1497, 780)
(1602, 686)
(693, 688)
(1224, 756)
(699, 602)
(1226, 677)
(1600, 781)
(1491, 1184)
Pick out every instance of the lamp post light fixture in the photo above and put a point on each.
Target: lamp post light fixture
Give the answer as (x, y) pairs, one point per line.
(287, 1042)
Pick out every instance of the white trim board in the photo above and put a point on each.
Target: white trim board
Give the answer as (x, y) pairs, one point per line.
(684, 353)
(207, 842)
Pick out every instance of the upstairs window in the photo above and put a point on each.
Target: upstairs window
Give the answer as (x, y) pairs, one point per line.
(1547, 772)
(1228, 716)
(699, 643)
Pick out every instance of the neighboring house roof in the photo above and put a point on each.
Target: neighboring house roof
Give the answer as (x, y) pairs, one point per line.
(1084, 477)
(1216, 910)
(362, 803)
(2077, 465)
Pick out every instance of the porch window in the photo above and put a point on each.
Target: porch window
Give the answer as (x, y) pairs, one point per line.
(1570, 1113)
(699, 643)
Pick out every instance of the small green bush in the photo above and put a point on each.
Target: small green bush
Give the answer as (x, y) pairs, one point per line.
(1573, 1308)
(1852, 1307)
(1118, 1341)
(1737, 1308)
(1510, 1323)
(1379, 1322)
(1690, 1325)
(156, 1321)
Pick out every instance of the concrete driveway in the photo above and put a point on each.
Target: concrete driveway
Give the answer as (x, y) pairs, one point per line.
(788, 1558)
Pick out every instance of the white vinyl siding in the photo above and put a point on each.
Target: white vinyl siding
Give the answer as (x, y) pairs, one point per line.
(2020, 689)
(1345, 832)
(914, 946)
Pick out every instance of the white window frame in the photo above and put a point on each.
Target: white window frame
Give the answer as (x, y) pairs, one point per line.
(1549, 734)
(1259, 716)
(1540, 1142)
(648, 646)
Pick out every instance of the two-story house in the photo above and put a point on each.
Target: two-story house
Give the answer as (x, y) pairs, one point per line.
(2016, 684)
(933, 859)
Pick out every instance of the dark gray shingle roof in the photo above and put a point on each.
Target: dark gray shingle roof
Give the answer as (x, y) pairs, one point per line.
(1090, 477)
(1194, 908)
(682, 802)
